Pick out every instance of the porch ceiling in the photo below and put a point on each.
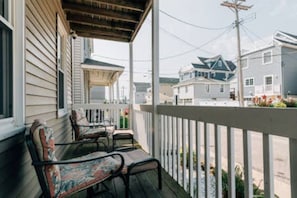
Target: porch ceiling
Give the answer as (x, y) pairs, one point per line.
(117, 20)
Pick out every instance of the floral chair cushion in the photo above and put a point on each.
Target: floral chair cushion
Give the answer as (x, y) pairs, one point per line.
(45, 145)
(82, 175)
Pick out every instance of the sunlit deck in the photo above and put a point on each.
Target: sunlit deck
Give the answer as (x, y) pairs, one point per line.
(141, 185)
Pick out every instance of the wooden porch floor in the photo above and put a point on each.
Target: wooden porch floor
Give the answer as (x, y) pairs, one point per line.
(141, 185)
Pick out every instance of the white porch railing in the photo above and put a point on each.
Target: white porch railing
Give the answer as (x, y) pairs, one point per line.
(261, 90)
(101, 112)
(222, 137)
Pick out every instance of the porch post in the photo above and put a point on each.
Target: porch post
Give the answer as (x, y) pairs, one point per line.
(131, 92)
(118, 89)
(155, 80)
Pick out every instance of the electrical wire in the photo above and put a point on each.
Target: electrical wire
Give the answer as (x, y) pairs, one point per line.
(194, 25)
(175, 55)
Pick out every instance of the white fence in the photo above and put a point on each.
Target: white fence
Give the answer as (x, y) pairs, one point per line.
(190, 135)
(101, 112)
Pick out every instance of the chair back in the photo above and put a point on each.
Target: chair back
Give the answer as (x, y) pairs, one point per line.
(40, 143)
(79, 122)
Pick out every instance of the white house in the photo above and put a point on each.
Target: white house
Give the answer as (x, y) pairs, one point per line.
(207, 79)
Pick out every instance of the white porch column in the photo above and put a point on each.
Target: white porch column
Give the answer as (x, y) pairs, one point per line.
(131, 92)
(110, 93)
(118, 89)
(155, 79)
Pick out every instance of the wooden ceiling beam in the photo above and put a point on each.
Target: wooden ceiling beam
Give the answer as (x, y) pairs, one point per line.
(134, 5)
(128, 27)
(99, 31)
(98, 36)
(89, 10)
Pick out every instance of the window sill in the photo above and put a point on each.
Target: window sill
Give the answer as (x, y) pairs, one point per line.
(8, 129)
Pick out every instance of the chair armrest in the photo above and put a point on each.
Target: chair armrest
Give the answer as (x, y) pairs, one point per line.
(60, 162)
(76, 142)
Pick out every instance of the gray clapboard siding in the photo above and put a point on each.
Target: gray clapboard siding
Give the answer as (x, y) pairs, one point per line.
(77, 72)
(18, 178)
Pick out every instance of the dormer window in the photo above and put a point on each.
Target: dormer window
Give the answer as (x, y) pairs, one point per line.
(220, 64)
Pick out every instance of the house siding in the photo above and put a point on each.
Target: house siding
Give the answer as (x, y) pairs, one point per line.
(257, 70)
(18, 177)
(77, 72)
(289, 61)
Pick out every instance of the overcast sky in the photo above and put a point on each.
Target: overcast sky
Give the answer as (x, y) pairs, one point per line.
(176, 38)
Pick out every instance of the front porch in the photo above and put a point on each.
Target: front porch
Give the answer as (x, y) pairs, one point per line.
(222, 139)
(141, 185)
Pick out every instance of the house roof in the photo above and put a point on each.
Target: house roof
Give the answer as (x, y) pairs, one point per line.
(168, 80)
(141, 86)
(101, 73)
(89, 61)
(106, 19)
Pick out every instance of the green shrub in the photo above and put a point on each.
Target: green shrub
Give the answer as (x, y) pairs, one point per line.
(279, 105)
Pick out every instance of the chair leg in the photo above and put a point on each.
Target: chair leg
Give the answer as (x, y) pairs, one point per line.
(159, 176)
(127, 185)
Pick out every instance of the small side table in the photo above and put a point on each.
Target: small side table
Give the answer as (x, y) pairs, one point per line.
(122, 134)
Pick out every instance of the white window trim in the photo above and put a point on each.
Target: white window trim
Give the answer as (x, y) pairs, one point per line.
(264, 80)
(248, 78)
(14, 125)
(62, 31)
(263, 57)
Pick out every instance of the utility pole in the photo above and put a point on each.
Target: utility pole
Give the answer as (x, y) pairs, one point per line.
(236, 6)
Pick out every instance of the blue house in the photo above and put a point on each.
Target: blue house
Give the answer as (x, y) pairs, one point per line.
(207, 79)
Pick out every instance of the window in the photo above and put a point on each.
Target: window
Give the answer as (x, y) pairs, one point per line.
(220, 64)
(12, 63)
(61, 60)
(248, 82)
(221, 88)
(6, 63)
(267, 57)
(268, 81)
(186, 89)
(244, 63)
(207, 88)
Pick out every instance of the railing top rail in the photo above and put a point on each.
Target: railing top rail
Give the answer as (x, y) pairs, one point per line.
(100, 106)
(274, 121)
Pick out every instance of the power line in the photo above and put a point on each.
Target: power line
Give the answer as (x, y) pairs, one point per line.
(194, 25)
(171, 56)
(182, 40)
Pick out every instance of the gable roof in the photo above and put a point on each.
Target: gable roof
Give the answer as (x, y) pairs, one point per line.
(285, 38)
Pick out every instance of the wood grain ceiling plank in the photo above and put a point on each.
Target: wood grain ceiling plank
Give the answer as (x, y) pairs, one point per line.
(85, 9)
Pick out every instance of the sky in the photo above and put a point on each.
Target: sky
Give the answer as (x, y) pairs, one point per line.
(180, 43)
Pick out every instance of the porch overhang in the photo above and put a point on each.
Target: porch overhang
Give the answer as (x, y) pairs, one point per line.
(117, 20)
(101, 73)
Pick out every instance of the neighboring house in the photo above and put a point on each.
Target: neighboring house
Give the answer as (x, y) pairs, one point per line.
(208, 79)
(92, 77)
(165, 89)
(98, 75)
(140, 91)
(271, 70)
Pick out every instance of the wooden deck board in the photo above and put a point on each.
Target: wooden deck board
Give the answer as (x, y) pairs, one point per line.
(144, 185)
